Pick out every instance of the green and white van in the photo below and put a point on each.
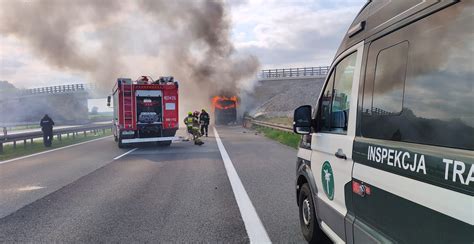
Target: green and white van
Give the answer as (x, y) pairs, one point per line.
(387, 154)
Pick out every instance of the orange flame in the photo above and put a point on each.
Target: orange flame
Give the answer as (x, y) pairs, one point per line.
(220, 101)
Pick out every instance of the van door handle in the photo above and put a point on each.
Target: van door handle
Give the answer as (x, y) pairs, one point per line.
(340, 154)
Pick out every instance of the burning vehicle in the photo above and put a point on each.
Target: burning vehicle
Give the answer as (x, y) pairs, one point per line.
(225, 109)
(145, 110)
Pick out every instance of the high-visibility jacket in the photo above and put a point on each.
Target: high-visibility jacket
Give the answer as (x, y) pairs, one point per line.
(189, 121)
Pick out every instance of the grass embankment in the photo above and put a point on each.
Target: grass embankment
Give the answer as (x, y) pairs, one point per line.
(37, 146)
(286, 138)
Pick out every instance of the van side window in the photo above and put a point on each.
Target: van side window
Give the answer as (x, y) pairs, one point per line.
(325, 105)
(335, 100)
(389, 82)
(418, 84)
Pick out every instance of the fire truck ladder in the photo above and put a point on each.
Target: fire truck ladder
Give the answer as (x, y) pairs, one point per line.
(128, 103)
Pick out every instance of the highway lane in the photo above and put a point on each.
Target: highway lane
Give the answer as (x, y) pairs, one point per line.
(26, 180)
(177, 194)
(267, 169)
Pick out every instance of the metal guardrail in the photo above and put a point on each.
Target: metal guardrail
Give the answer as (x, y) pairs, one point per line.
(58, 132)
(35, 124)
(15, 124)
(321, 71)
(281, 127)
(72, 88)
(55, 89)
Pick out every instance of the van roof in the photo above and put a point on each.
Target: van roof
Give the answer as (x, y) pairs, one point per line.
(381, 16)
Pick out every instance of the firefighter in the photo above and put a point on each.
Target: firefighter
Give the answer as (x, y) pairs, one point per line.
(196, 122)
(204, 121)
(47, 127)
(192, 125)
(188, 121)
(196, 114)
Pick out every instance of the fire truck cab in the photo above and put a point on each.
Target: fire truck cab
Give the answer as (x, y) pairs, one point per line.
(145, 110)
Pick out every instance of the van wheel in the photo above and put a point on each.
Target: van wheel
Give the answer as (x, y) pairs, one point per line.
(309, 224)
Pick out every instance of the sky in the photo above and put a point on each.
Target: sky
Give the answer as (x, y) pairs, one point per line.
(287, 34)
(280, 33)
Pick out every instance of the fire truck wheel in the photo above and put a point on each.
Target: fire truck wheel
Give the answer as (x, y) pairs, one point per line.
(120, 144)
(163, 143)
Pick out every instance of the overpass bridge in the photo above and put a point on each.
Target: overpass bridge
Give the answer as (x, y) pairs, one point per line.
(280, 91)
(87, 88)
(294, 73)
(66, 103)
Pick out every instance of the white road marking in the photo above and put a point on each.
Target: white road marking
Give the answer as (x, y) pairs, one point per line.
(52, 150)
(30, 188)
(119, 156)
(253, 224)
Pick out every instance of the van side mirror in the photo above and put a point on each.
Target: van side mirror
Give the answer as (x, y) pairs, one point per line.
(108, 101)
(302, 120)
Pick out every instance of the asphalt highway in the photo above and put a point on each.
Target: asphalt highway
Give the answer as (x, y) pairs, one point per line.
(95, 192)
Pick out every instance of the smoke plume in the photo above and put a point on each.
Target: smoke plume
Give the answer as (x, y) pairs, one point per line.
(107, 39)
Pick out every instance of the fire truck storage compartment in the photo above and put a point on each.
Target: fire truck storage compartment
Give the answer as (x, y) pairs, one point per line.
(149, 113)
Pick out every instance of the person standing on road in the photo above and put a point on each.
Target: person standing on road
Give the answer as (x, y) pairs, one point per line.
(47, 127)
(5, 133)
(204, 121)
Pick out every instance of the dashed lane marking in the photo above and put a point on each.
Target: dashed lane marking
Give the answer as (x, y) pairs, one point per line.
(130, 151)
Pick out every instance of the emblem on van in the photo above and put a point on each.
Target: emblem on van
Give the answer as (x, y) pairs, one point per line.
(327, 178)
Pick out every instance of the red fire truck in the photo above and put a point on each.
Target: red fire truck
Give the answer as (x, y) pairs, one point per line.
(145, 110)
